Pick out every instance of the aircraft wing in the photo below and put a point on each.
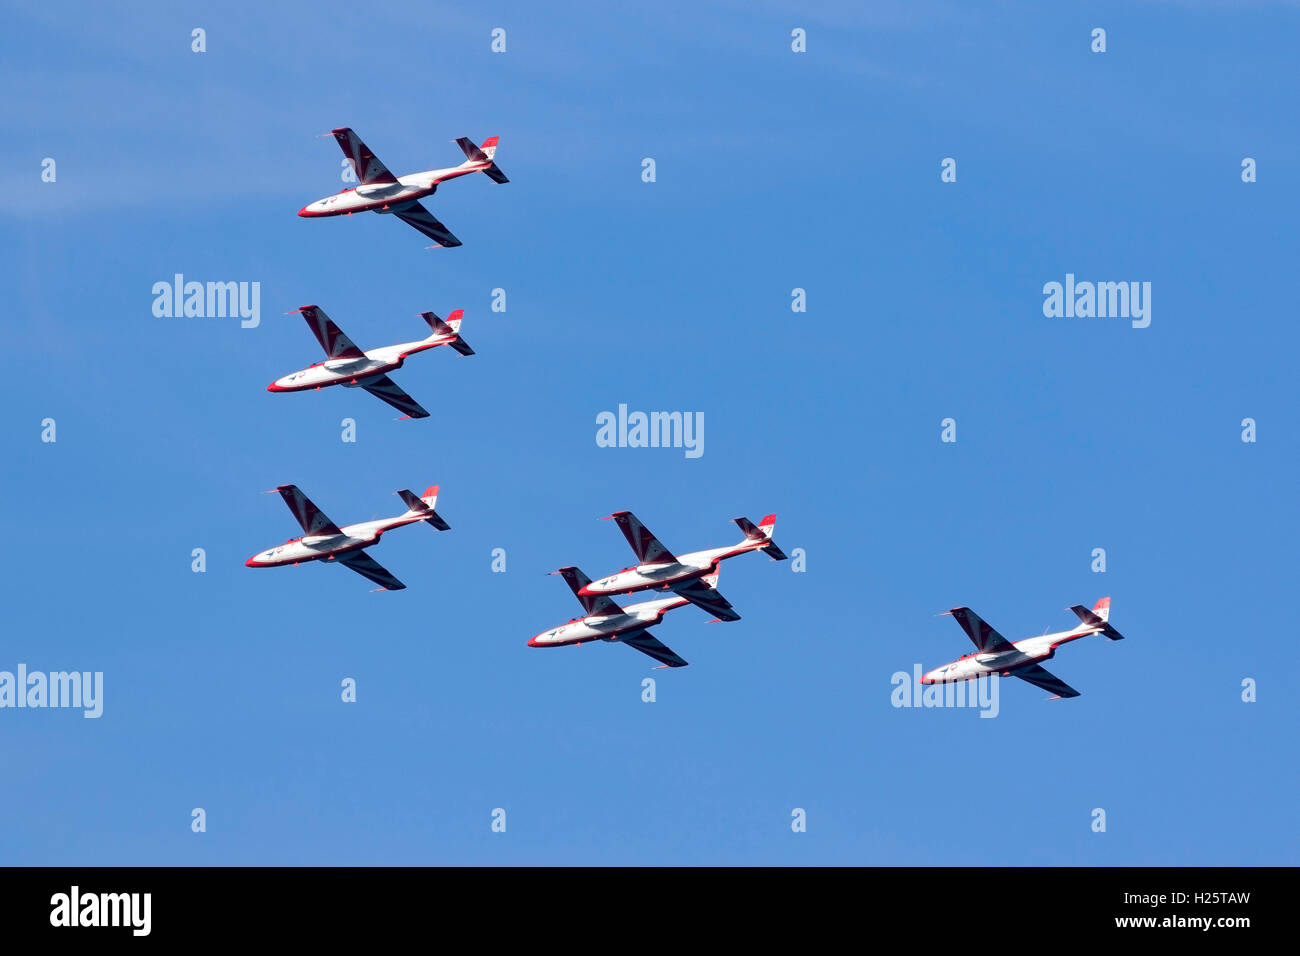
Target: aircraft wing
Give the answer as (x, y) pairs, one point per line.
(983, 636)
(1041, 677)
(416, 216)
(591, 604)
(368, 567)
(648, 548)
(644, 642)
(702, 595)
(384, 388)
(365, 164)
(312, 519)
(330, 336)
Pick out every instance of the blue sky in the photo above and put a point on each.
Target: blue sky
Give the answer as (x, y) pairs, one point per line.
(775, 171)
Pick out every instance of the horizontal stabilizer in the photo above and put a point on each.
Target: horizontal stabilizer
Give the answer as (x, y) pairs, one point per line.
(449, 328)
(1098, 617)
(423, 506)
(1086, 616)
(483, 154)
(762, 533)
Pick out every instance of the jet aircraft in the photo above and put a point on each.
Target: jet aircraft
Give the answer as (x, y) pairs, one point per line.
(378, 190)
(350, 367)
(606, 621)
(323, 540)
(995, 655)
(658, 567)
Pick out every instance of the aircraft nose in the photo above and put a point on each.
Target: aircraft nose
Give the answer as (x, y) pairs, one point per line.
(251, 562)
(927, 678)
(532, 641)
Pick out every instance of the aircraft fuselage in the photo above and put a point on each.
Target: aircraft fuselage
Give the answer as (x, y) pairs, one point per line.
(317, 547)
(1032, 650)
(608, 627)
(384, 197)
(353, 371)
(697, 564)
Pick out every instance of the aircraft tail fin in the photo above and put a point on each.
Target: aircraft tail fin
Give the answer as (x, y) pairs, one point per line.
(762, 533)
(1098, 617)
(423, 506)
(450, 327)
(483, 154)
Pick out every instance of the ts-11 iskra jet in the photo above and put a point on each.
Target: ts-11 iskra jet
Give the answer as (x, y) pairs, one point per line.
(323, 540)
(606, 621)
(659, 568)
(378, 190)
(350, 367)
(995, 655)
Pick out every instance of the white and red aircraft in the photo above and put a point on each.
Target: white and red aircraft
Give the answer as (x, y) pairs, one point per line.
(323, 540)
(378, 190)
(995, 655)
(659, 568)
(606, 621)
(350, 367)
